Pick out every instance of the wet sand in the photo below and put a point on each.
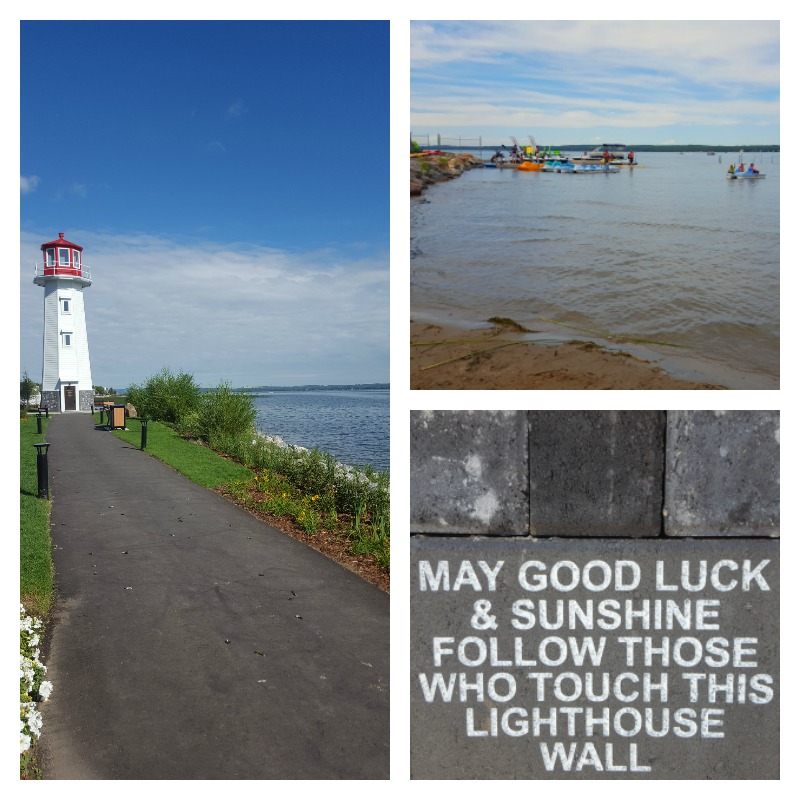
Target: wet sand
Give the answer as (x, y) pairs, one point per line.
(497, 358)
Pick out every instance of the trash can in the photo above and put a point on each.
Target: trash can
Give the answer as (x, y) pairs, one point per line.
(117, 421)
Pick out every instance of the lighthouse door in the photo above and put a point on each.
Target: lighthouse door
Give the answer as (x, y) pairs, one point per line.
(69, 398)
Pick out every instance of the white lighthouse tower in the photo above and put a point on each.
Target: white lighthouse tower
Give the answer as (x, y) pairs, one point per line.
(66, 373)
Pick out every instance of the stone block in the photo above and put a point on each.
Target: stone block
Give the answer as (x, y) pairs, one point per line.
(722, 473)
(596, 473)
(606, 659)
(469, 472)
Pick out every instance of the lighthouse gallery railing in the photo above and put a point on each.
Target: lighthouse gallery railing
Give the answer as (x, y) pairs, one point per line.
(67, 272)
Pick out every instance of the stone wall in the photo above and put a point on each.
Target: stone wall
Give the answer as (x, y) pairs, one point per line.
(595, 594)
(51, 401)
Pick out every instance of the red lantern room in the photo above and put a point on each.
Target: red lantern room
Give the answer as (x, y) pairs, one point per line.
(62, 257)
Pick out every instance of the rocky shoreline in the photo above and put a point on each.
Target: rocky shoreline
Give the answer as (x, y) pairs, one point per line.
(438, 167)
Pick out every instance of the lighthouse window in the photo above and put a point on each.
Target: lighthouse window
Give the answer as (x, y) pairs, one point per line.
(63, 257)
(51, 257)
(67, 339)
(65, 305)
(76, 259)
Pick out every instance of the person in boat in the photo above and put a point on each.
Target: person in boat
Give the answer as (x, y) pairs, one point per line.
(731, 169)
(753, 169)
(741, 167)
(606, 157)
(630, 158)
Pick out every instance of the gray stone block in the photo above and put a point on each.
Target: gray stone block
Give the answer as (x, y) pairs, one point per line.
(469, 472)
(596, 473)
(633, 658)
(722, 473)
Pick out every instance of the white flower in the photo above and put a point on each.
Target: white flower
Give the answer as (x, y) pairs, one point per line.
(45, 690)
(24, 743)
(34, 722)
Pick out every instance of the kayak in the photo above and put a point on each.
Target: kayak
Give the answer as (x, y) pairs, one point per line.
(529, 166)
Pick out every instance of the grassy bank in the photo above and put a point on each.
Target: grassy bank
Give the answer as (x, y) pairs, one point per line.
(36, 592)
(339, 511)
(35, 552)
(200, 464)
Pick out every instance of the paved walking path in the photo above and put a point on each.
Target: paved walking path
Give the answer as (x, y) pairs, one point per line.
(190, 640)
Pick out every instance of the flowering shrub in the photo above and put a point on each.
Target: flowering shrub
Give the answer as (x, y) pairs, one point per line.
(32, 688)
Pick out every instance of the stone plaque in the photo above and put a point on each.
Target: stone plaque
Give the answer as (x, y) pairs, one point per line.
(575, 659)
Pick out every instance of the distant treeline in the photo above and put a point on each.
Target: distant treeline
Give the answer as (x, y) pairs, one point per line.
(312, 387)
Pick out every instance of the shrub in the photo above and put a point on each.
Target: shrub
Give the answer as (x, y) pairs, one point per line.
(166, 397)
(359, 492)
(224, 415)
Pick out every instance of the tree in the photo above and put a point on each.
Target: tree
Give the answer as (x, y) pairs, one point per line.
(27, 388)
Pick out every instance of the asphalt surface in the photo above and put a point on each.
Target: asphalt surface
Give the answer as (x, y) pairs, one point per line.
(192, 641)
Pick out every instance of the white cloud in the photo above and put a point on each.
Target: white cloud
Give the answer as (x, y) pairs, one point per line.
(710, 50)
(236, 108)
(526, 76)
(249, 315)
(28, 183)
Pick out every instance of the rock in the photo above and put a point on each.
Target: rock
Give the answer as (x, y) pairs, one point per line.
(130, 410)
(434, 168)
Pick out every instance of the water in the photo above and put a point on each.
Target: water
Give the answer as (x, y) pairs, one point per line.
(672, 252)
(353, 426)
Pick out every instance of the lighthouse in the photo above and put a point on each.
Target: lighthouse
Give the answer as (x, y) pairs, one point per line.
(66, 373)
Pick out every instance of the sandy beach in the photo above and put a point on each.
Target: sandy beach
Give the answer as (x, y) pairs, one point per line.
(499, 358)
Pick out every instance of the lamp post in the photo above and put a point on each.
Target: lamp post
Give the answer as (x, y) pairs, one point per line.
(41, 469)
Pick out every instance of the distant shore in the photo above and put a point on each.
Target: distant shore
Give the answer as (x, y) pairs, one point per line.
(497, 358)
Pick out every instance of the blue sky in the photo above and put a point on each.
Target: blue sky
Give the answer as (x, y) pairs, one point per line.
(574, 82)
(229, 185)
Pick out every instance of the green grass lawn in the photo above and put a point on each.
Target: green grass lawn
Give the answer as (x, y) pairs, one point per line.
(35, 553)
(198, 463)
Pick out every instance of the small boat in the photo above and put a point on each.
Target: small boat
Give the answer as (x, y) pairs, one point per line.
(530, 166)
(578, 169)
(618, 155)
(746, 175)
